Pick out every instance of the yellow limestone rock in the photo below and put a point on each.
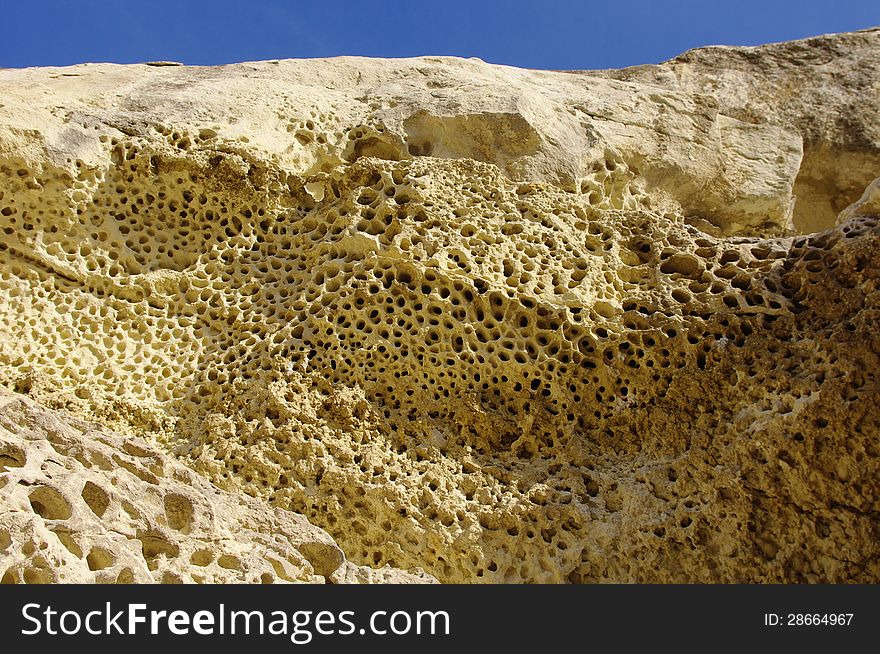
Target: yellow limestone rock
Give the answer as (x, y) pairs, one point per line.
(824, 88)
(80, 504)
(497, 324)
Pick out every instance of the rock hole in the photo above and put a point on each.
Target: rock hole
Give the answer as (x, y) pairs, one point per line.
(170, 578)
(11, 456)
(69, 542)
(179, 512)
(154, 545)
(278, 567)
(100, 559)
(683, 264)
(125, 576)
(96, 498)
(201, 558)
(38, 576)
(49, 504)
(229, 562)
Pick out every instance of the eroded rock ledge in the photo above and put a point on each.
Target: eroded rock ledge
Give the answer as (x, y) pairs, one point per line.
(501, 325)
(83, 505)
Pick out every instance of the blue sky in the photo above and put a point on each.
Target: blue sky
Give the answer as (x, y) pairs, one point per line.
(563, 34)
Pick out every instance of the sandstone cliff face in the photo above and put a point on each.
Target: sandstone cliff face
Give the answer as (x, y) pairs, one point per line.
(501, 325)
(82, 505)
(824, 88)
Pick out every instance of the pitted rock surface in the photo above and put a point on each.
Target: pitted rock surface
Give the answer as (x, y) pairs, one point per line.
(497, 324)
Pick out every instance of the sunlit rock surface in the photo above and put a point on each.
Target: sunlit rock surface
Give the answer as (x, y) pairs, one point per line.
(499, 325)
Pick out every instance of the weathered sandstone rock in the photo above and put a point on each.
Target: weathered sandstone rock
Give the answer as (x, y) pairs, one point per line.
(824, 89)
(79, 504)
(498, 324)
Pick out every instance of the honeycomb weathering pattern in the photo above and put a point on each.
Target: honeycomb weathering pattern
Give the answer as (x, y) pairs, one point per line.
(500, 325)
(84, 505)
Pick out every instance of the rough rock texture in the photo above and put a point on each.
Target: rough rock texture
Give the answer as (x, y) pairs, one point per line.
(498, 324)
(81, 505)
